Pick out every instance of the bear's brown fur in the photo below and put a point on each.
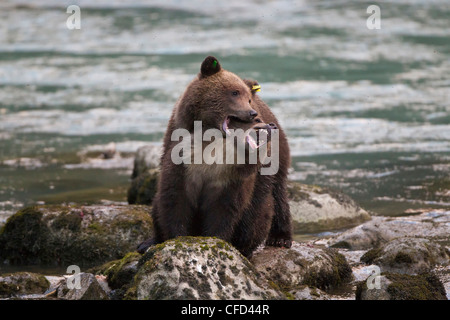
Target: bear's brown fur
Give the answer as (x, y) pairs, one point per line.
(232, 202)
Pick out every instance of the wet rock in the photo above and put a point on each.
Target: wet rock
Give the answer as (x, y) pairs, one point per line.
(199, 268)
(303, 265)
(407, 255)
(22, 283)
(393, 286)
(317, 209)
(81, 235)
(88, 288)
(433, 225)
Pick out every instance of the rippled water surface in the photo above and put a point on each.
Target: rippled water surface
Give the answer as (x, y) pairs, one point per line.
(366, 111)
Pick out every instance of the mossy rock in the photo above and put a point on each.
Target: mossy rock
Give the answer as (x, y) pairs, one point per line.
(199, 268)
(303, 265)
(407, 255)
(394, 286)
(316, 209)
(143, 188)
(82, 235)
(21, 283)
(119, 273)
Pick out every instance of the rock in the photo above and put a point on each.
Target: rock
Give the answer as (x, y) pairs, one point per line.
(89, 288)
(303, 265)
(315, 209)
(309, 293)
(143, 188)
(407, 255)
(119, 274)
(403, 287)
(81, 235)
(433, 225)
(199, 268)
(22, 283)
(147, 158)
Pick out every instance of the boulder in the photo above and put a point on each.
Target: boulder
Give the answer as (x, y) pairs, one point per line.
(199, 268)
(143, 188)
(433, 225)
(88, 288)
(22, 283)
(301, 265)
(144, 179)
(81, 235)
(119, 274)
(147, 158)
(309, 293)
(393, 286)
(316, 209)
(407, 255)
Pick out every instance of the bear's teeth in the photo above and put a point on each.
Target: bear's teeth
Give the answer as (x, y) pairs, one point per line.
(225, 126)
(252, 142)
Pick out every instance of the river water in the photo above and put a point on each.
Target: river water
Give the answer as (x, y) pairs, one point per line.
(366, 110)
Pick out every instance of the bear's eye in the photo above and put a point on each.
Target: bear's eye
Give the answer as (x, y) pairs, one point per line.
(235, 93)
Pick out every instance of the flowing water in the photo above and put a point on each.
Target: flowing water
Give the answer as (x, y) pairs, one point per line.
(366, 111)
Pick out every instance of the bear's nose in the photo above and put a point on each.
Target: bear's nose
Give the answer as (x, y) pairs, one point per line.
(253, 114)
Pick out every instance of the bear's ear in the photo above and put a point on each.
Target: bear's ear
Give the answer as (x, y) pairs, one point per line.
(253, 85)
(209, 67)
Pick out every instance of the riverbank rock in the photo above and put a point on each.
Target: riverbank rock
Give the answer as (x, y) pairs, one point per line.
(119, 274)
(22, 283)
(82, 235)
(143, 188)
(433, 225)
(408, 255)
(199, 268)
(316, 209)
(144, 179)
(303, 265)
(393, 286)
(86, 287)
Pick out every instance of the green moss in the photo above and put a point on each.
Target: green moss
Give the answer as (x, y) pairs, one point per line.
(419, 287)
(341, 273)
(23, 236)
(342, 245)
(403, 258)
(371, 255)
(22, 283)
(70, 221)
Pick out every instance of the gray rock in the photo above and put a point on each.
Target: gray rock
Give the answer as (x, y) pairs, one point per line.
(391, 286)
(22, 283)
(303, 265)
(407, 255)
(147, 158)
(82, 235)
(199, 268)
(315, 209)
(88, 288)
(434, 225)
(309, 293)
(145, 175)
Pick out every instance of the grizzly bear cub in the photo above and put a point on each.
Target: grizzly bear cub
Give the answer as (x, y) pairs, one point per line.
(231, 201)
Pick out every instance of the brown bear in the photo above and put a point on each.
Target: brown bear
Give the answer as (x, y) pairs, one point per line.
(234, 202)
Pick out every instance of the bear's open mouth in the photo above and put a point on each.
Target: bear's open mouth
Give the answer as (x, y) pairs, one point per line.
(250, 134)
